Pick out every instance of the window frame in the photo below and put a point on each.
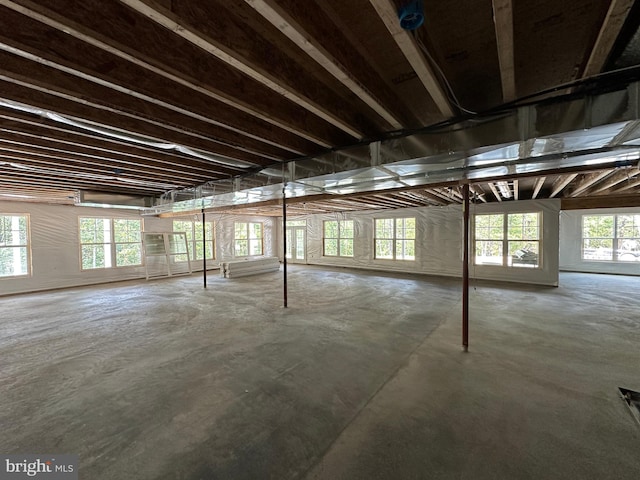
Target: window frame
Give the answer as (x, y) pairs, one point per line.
(192, 241)
(340, 238)
(394, 239)
(26, 246)
(248, 239)
(615, 238)
(111, 245)
(506, 240)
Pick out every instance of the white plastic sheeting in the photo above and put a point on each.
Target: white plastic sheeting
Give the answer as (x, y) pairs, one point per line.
(55, 245)
(571, 244)
(439, 242)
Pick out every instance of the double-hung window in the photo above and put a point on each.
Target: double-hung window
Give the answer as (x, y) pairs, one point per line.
(395, 238)
(614, 238)
(110, 242)
(247, 239)
(338, 238)
(197, 251)
(508, 239)
(15, 258)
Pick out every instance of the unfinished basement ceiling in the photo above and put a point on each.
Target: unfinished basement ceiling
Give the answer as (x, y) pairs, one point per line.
(143, 98)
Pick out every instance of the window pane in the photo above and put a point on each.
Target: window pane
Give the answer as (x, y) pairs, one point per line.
(524, 254)
(384, 228)
(330, 229)
(489, 227)
(488, 253)
(523, 226)
(405, 250)
(242, 248)
(13, 261)
(331, 247)
(409, 228)
(128, 254)
(629, 250)
(346, 229)
(256, 230)
(240, 231)
(384, 249)
(198, 250)
(346, 247)
(255, 247)
(93, 257)
(597, 249)
(629, 226)
(597, 226)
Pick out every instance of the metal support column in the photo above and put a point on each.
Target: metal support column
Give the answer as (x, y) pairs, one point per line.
(204, 251)
(284, 241)
(465, 270)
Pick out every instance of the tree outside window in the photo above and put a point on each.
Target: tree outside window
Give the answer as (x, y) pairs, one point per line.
(395, 238)
(614, 238)
(247, 239)
(338, 238)
(511, 240)
(193, 229)
(14, 245)
(107, 242)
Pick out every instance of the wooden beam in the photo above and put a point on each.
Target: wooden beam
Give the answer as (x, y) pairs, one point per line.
(611, 27)
(628, 186)
(478, 192)
(176, 25)
(537, 186)
(503, 20)
(561, 183)
(65, 103)
(504, 189)
(588, 180)
(387, 11)
(223, 117)
(516, 190)
(617, 178)
(280, 18)
(494, 190)
(603, 201)
(275, 115)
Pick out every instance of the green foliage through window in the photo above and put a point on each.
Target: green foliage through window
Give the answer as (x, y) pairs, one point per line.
(247, 239)
(395, 238)
(14, 245)
(613, 238)
(338, 238)
(108, 242)
(507, 239)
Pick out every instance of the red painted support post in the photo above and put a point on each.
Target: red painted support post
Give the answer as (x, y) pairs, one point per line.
(204, 251)
(465, 270)
(284, 241)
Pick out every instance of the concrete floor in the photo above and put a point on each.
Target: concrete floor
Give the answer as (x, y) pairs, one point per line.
(361, 378)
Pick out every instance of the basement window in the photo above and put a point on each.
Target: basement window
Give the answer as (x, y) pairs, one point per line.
(15, 258)
(110, 242)
(247, 239)
(613, 238)
(197, 250)
(508, 240)
(395, 238)
(338, 238)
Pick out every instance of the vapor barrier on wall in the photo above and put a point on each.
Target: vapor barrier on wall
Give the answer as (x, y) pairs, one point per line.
(438, 242)
(612, 255)
(55, 245)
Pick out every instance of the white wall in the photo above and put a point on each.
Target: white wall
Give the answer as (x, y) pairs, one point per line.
(571, 244)
(55, 245)
(439, 242)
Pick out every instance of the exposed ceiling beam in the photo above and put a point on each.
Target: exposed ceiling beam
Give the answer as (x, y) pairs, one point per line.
(613, 22)
(282, 20)
(53, 20)
(494, 190)
(602, 201)
(588, 180)
(561, 183)
(537, 186)
(628, 186)
(478, 192)
(504, 189)
(617, 178)
(173, 23)
(43, 58)
(387, 11)
(516, 189)
(503, 20)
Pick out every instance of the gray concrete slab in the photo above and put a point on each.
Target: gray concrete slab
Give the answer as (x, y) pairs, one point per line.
(361, 378)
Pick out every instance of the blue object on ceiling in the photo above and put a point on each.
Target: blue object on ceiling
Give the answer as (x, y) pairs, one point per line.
(411, 14)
